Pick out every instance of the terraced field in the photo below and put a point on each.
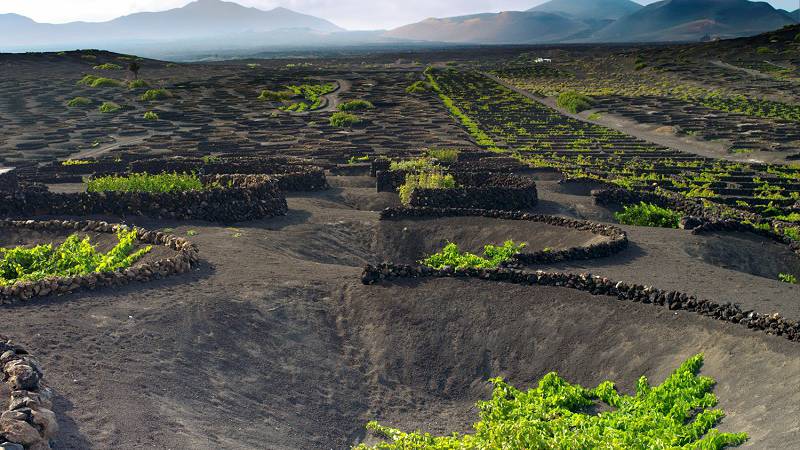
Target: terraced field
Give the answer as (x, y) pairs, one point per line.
(311, 267)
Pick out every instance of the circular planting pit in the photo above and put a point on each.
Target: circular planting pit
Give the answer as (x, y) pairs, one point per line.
(746, 252)
(168, 255)
(406, 236)
(226, 198)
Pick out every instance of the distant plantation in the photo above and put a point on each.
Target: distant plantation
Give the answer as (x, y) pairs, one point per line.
(574, 102)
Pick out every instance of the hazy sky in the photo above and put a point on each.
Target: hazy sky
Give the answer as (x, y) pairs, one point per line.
(350, 14)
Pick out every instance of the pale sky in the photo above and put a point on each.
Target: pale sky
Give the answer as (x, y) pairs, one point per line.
(350, 14)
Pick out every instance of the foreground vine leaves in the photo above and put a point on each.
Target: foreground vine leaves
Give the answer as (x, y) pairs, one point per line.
(678, 414)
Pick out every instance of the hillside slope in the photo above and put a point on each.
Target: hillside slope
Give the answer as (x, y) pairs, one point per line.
(590, 9)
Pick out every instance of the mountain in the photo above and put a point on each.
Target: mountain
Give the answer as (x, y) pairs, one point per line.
(796, 15)
(590, 9)
(201, 19)
(690, 20)
(517, 27)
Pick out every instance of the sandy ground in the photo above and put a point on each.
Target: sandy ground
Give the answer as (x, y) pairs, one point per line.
(274, 343)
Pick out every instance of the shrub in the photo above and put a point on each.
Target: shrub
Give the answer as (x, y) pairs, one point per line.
(763, 50)
(155, 94)
(676, 414)
(106, 82)
(138, 84)
(494, 255)
(787, 278)
(358, 159)
(71, 258)
(79, 101)
(150, 115)
(356, 105)
(109, 107)
(417, 86)
(424, 180)
(574, 102)
(276, 96)
(342, 119)
(144, 182)
(76, 162)
(413, 165)
(648, 215)
(444, 154)
(108, 66)
(640, 66)
(797, 38)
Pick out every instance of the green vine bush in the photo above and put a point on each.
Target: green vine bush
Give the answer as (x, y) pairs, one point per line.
(73, 257)
(648, 215)
(574, 102)
(155, 94)
(144, 182)
(79, 102)
(424, 180)
(150, 115)
(678, 414)
(108, 66)
(493, 256)
(447, 155)
(356, 105)
(344, 120)
(109, 107)
(787, 278)
(415, 165)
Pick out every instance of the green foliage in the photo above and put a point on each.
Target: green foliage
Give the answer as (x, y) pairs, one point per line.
(155, 94)
(424, 180)
(275, 96)
(79, 101)
(594, 116)
(211, 159)
(417, 87)
(76, 162)
(574, 102)
(448, 155)
(73, 257)
(415, 165)
(640, 66)
(358, 159)
(787, 278)
(356, 105)
(342, 119)
(108, 66)
(494, 255)
(763, 50)
(144, 182)
(678, 414)
(797, 38)
(150, 115)
(648, 215)
(138, 84)
(94, 81)
(109, 107)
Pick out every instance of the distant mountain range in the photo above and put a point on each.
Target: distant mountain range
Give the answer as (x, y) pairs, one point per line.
(201, 19)
(222, 26)
(605, 21)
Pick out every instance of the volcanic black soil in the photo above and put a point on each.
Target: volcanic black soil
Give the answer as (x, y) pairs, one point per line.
(273, 342)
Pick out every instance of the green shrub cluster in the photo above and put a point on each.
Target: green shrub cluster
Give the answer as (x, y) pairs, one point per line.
(95, 81)
(417, 87)
(109, 107)
(648, 215)
(108, 66)
(155, 94)
(144, 182)
(447, 155)
(424, 180)
(138, 84)
(787, 278)
(493, 256)
(341, 119)
(76, 162)
(358, 159)
(678, 414)
(79, 101)
(276, 96)
(574, 102)
(73, 257)
(150, 115)
(415, 165)
(356, 105)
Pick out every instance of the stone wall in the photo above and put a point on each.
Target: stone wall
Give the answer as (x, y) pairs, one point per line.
(673, 300)
(480, 190)
(182, 261)
(28, 422)
(234, 198)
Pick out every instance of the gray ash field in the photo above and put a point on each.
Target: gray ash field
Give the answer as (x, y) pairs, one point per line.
(312, 316)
